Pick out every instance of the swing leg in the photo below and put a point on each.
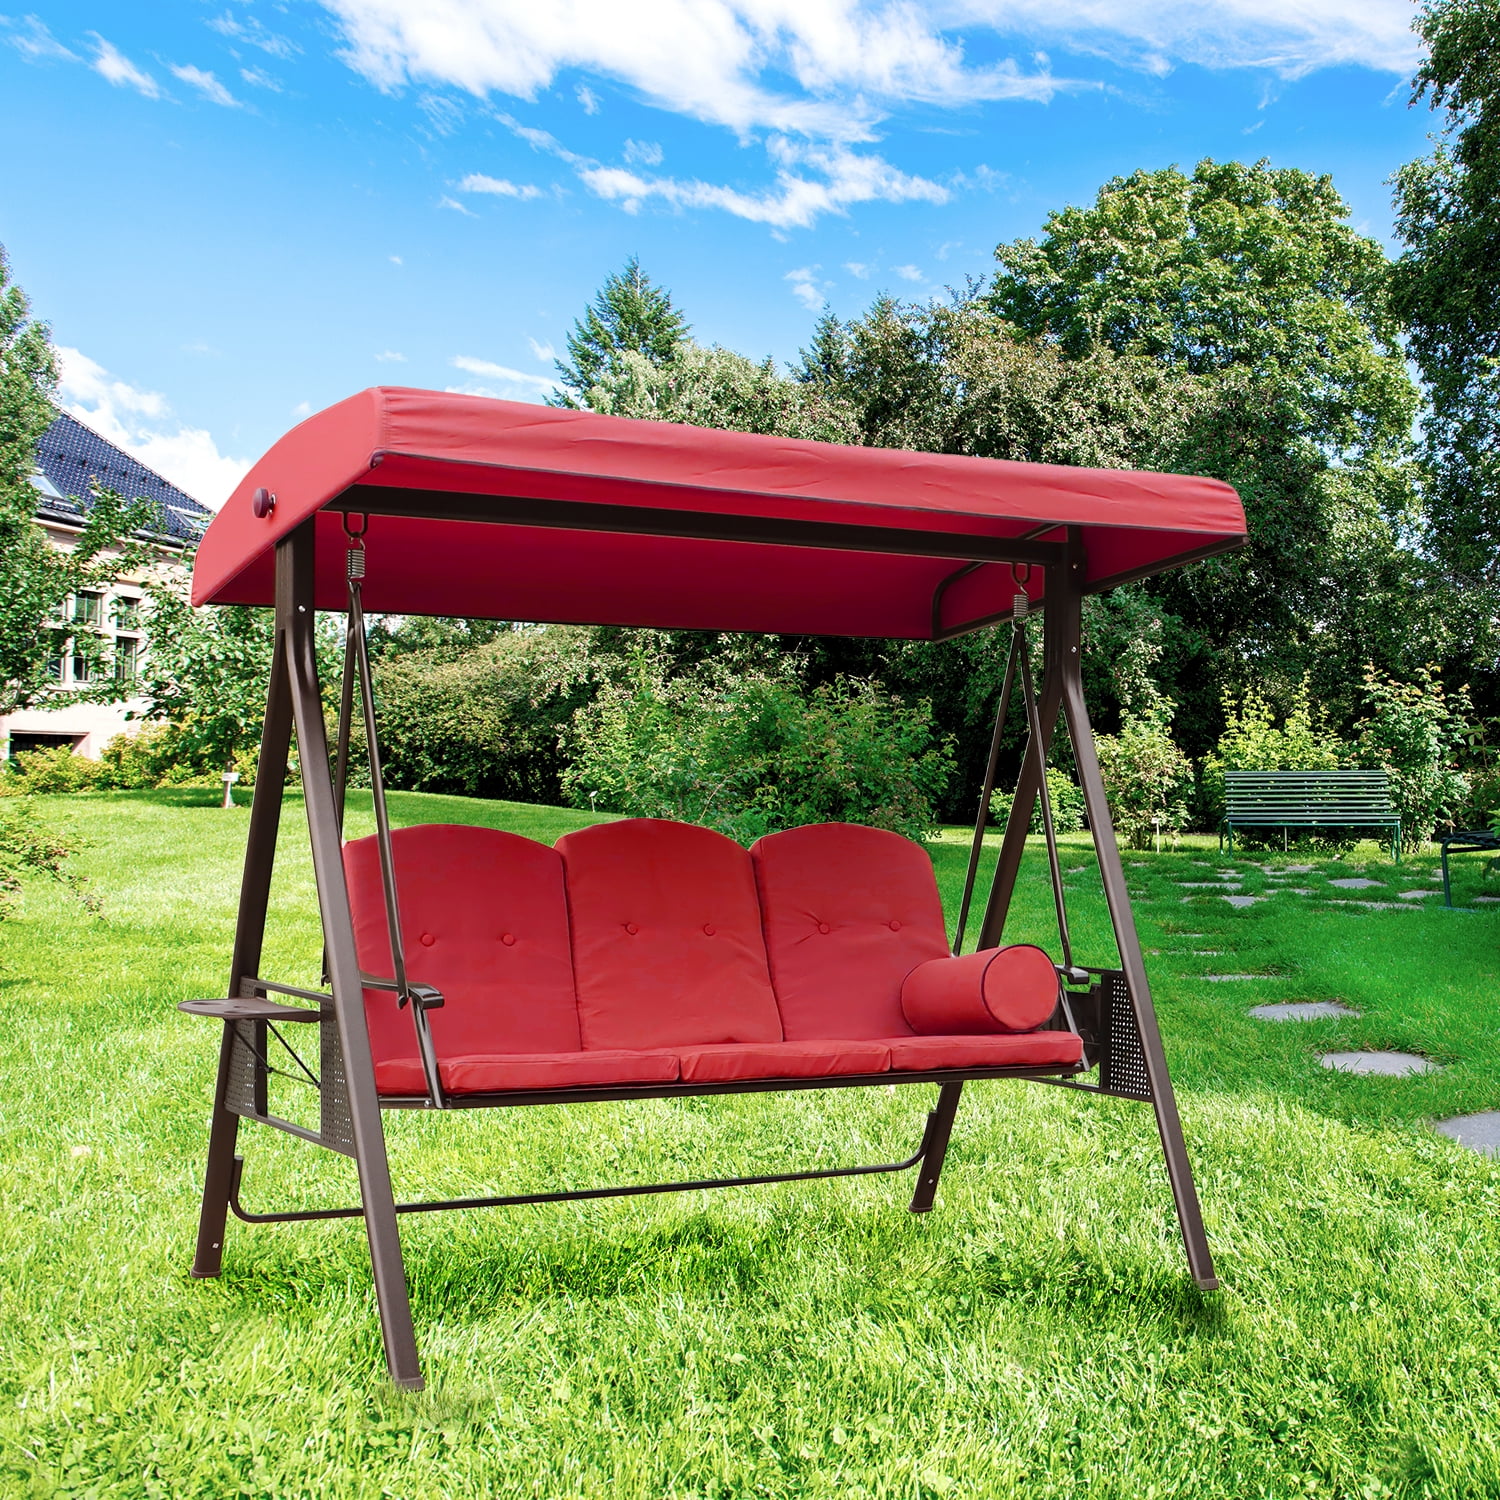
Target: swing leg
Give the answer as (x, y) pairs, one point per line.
(294, 605)
(935, 1147)
(1116, 893)
(255, 892)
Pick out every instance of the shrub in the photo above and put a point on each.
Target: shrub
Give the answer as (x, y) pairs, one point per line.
(1069, 812)
(60, 769)
(1147, 777)
(29, 848)
(749, 753)
(1414, 733)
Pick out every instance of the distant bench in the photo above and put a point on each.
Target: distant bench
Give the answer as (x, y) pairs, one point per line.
(1310, 799)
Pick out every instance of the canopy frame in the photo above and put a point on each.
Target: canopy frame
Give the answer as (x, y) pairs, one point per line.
(1117, 1016)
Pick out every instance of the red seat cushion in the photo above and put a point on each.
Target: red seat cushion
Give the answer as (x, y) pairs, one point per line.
(485, 919)
(996, 989)
(536, 1070)
(667, 945)
(849, 912)
(782, 1060)
(1029, 1049)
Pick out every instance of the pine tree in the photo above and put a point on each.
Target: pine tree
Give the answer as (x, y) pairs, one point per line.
(629, 315)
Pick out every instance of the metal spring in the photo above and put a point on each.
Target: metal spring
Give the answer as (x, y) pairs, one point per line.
(1021, 606)
(356, 563)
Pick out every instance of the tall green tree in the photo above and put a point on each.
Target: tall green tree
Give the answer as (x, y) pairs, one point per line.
(35, 577)
(630, 314)
(1445, 286)
(1250, 279)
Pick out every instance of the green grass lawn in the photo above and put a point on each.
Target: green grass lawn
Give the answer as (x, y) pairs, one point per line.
(1036, 1335)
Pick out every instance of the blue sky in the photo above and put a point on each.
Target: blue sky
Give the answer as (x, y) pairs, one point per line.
(235, 212)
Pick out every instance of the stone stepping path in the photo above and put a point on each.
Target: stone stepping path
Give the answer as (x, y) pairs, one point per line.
(1356, 883)
(1231, 978)
(1479, 1132)
(1390, 1064)
(1301, 1010)
(1242, 900)
(1414, 895)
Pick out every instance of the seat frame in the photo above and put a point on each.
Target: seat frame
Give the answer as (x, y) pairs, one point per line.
(1113, 1013)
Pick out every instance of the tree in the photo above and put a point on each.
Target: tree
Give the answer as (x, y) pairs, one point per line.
(1250, 280)
(1448, 217)
(630, 314)
(36, 578)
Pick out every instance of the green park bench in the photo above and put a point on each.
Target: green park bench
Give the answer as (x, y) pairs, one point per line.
(1309, 799)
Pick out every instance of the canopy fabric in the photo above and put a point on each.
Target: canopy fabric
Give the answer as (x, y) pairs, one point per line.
(504, 510)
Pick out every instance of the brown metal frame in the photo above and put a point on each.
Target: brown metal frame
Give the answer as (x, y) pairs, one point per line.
(294, 701)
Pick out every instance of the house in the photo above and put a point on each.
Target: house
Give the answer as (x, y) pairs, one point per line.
(69, 457)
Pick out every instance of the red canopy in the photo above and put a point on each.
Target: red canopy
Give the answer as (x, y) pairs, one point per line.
(500, 510)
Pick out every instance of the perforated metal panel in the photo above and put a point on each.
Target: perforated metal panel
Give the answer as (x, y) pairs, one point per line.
(239, 1092)
(1122, 1060)
(335, 1128)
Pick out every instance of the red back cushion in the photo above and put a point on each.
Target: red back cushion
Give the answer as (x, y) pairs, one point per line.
(849, 912)
(485, 919)
(667, 944)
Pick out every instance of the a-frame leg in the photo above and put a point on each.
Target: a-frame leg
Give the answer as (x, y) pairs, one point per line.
(295, 603)
(1117, 896)
(250, 928)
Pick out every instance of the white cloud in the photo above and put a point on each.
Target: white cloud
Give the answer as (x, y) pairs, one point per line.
(477, 182)
(645, 153)
(446, 202)
(857, 268)
(30, 37)
(302, 409)
(254, 34)
(543, 351)
(807, 288)
(909, 273)
(207, 85)
(588, 99)
(513, 385)
(810, 181)
(109, 62)
(390, 357)
(396, 260)
(258, 78)
(141, 423)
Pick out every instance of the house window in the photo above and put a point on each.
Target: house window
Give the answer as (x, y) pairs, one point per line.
(127, 612)
(88, 609)
(84, 670)
(127, 657)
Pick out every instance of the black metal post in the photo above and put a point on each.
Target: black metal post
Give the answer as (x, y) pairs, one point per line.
(294, 583)
(935, 1147)
(249, 934)
(1064, 632)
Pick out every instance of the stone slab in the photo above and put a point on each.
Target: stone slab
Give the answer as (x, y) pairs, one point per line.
(1390, 1064)
(1355, 883)
(1414, 895)
(1242, 900)
(1231, 978)
(1479, 1132)
(1301, 1010)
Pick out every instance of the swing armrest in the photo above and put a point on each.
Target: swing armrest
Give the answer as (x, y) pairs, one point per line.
(424, 996)
(1009, 989)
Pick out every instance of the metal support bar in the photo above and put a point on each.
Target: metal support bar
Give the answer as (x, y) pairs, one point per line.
(441, 1205)
(934, 1148)
(991, 769)
(249, 934)
(294, 607)
(1065, 596)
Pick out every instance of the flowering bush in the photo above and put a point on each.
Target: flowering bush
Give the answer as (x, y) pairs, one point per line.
(1147, 777)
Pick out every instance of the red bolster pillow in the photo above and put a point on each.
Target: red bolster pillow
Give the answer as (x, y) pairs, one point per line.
(996, 989)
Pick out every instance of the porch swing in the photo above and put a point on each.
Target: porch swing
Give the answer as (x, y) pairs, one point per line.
(468, 968)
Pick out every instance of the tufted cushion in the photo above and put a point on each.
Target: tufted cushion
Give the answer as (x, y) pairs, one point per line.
(782, 1060)
(1027, 1049)
(536, 1070)
(849, 912)
(485, 919)
(667, 943)
(996, 989)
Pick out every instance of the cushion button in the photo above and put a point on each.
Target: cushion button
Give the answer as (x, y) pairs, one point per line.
(824, 927)
(895, 927)
(708, 929)
(427, 940)
(631, 928)
(509, 939)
